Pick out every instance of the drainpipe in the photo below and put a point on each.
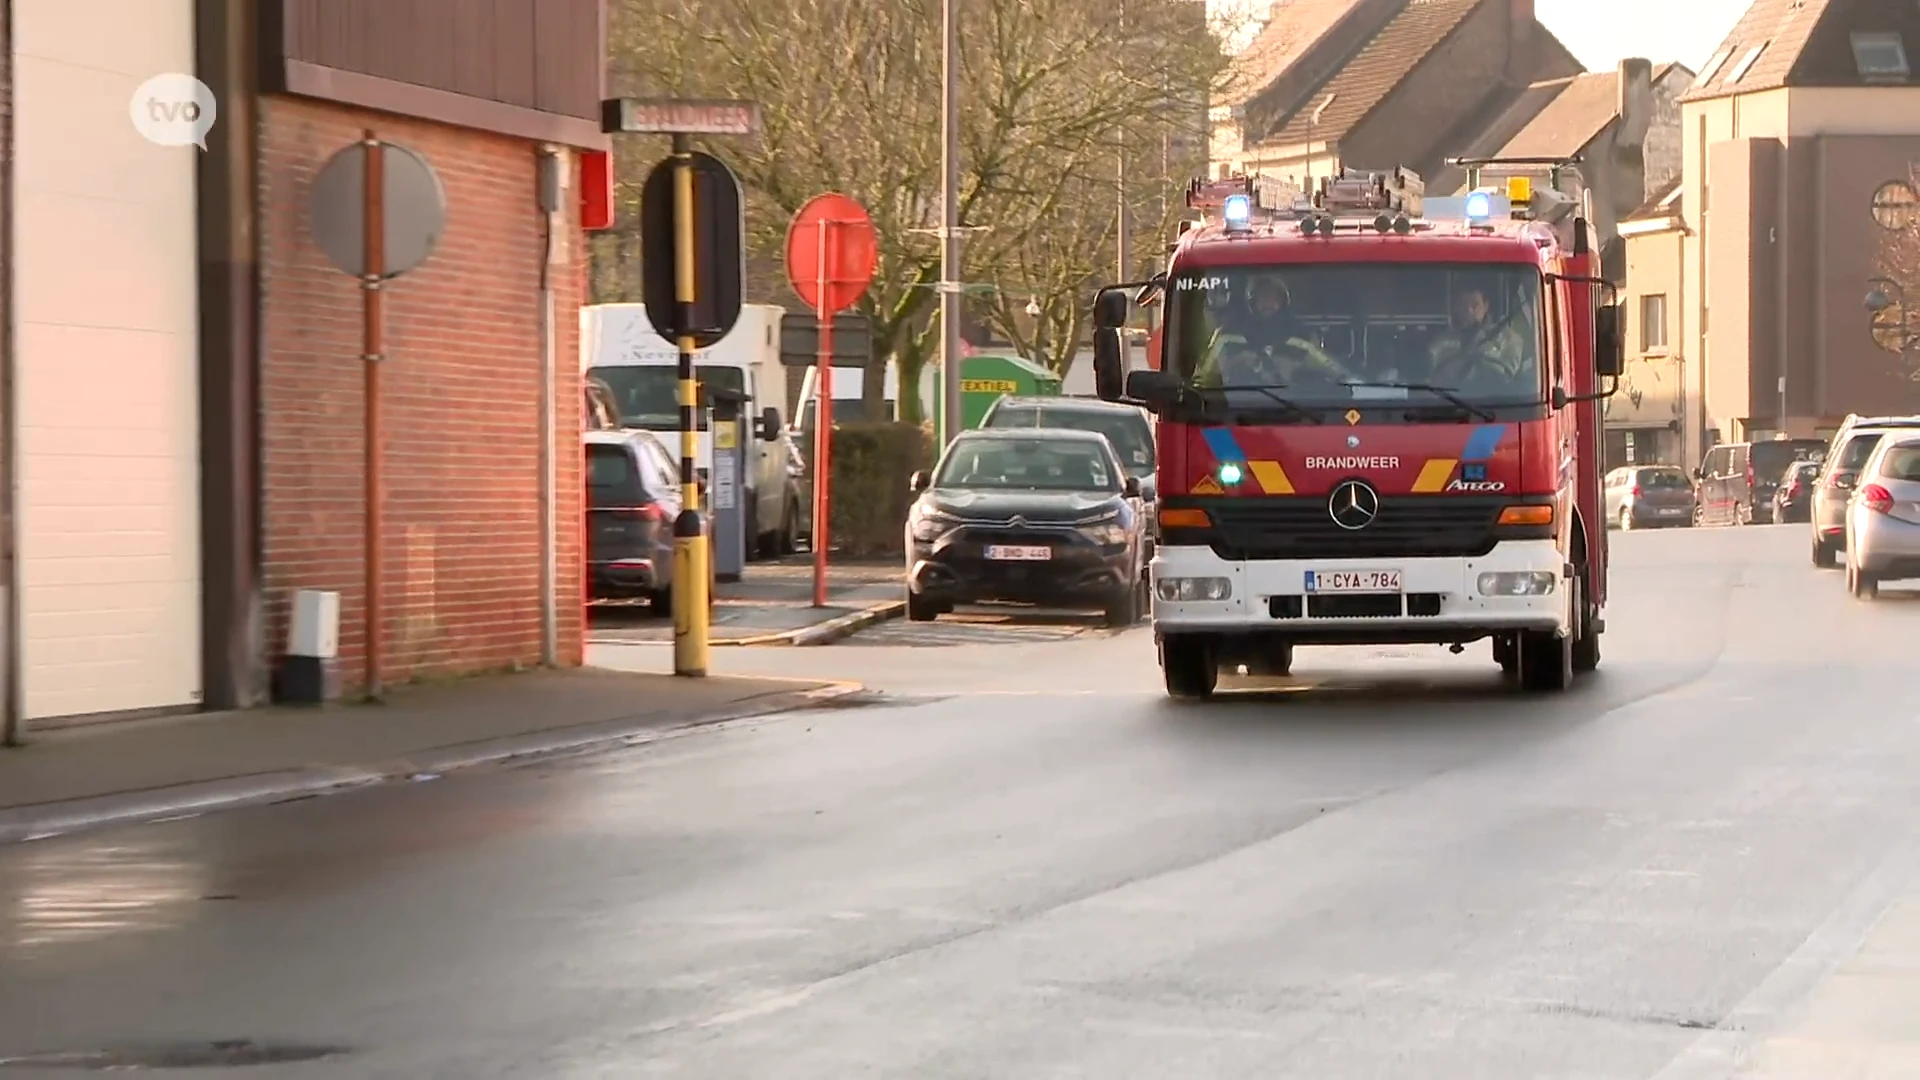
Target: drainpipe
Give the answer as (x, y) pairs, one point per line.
(551, 181)
(12, 695)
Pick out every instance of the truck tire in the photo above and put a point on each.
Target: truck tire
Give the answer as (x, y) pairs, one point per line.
(789, 541)
(1506, 654)
(1187, 665)
(756, 543)
(1586, 642)
(1277, 661)
(1546, 661)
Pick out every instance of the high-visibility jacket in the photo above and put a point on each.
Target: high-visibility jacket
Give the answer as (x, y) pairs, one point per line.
(1276, 367)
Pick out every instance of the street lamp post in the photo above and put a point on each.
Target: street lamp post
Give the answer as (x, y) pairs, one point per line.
(950, 286)
(1878, 302)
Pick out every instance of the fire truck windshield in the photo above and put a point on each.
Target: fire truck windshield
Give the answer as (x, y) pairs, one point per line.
(1330, 335)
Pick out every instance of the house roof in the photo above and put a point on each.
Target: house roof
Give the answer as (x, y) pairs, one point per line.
(1664, 203)
(1293, 27)
(1579, 109)
(1762, 50)
(1557, 117)
(1582, 107)
(1365, 80)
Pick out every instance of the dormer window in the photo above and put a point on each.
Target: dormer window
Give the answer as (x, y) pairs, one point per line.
(1713, 65)
(1746, 64)
(1880, 58)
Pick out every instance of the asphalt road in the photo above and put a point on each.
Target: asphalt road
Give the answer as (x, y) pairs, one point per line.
(1027, 863)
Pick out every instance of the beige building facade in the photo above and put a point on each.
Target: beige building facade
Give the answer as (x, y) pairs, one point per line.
(1800, 148)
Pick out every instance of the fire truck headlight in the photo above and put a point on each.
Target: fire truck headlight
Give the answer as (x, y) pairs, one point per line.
(1185, 589)
(1479, 206)
(1231, 474)
(1516, 583)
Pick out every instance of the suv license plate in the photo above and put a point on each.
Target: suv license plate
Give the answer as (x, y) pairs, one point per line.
(1006, 553)
(1353, 581)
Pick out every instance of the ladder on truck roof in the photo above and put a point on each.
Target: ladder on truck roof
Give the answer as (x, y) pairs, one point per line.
(1389, 200)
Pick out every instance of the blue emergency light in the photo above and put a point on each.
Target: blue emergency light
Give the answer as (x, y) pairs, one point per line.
(1230, 474)
(1237, 210)
(1479, 206)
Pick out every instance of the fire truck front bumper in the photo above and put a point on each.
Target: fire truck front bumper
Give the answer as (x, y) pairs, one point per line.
(1519, 585)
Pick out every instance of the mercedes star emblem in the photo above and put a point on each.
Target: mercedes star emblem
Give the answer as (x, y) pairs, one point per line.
(1353, 505)
(1353, 442)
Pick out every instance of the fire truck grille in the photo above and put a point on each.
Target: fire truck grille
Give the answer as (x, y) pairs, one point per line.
(1300, 527)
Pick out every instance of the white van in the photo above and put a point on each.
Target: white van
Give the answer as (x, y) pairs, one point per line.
(619, 347)
(848, 383)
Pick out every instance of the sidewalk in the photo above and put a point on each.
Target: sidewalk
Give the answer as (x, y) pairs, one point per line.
(773, 605)
(142, 770)
(1863, 1020)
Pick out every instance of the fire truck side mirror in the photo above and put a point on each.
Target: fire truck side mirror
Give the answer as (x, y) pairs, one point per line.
(1154, 389)
(1109, 364)
(1609, 343)
(1110, 310)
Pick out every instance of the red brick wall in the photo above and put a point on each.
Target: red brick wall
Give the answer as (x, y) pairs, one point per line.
(461, 399)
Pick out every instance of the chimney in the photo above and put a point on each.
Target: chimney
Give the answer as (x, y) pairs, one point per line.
(1635, 104)
(1521, 62)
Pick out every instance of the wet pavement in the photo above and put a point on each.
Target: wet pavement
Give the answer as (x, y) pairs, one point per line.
(1026, 863)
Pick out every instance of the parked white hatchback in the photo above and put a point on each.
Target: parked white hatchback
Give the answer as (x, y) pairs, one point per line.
(1883, 517)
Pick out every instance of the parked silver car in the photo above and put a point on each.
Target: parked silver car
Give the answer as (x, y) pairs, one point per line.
(1852, 445)
(1883, 517)
(1649, 497)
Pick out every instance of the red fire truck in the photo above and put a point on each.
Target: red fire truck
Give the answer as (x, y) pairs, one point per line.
(1376, 425)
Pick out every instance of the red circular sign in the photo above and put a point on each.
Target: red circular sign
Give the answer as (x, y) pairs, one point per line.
(831, 253)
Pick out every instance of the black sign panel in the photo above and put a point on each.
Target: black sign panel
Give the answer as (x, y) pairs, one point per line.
(719, 260)
(800, 339)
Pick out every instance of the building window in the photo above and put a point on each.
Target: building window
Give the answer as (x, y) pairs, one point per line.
(1713, 65)
(1745, 65)
(1880, 57)
(1653, 323)
(1896, 206)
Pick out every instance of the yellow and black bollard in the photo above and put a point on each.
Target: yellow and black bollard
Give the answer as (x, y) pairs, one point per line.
(692, 575)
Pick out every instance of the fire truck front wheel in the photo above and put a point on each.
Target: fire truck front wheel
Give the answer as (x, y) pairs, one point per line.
(1188, 666)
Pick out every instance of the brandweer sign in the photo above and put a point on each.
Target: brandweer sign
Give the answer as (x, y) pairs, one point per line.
(1353, 463)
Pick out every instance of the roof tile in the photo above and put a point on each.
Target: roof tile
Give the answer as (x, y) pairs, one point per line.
(1364, 81)
(1779, 28)
(1293, 27)
(1585, 105)
(1664, 202)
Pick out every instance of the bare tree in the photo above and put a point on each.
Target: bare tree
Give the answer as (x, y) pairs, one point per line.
(850, 97)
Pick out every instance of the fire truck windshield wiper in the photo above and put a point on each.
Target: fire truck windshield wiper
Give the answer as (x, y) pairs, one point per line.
(1271, 393)
(1467, 406)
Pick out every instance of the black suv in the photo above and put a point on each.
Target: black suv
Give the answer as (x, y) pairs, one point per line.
(1126, 427)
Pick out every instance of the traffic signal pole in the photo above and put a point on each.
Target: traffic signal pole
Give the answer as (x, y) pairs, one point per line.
(691, 266)
(690, 578)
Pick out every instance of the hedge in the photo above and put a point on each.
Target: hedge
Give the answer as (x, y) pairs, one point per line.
(872, 464)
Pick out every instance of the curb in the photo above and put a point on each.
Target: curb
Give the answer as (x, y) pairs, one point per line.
(190, 800)
(826, 633)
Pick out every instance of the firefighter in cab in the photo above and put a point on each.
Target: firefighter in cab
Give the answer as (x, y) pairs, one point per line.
(1263, 343)
(1479, 350)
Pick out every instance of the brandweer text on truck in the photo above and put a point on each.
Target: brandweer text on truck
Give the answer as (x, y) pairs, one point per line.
(1374, 426)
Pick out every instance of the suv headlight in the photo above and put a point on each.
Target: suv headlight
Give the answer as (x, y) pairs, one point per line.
(1104, 529)
(929, 524)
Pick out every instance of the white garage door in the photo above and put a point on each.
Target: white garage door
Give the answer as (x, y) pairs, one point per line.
(107, 348)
